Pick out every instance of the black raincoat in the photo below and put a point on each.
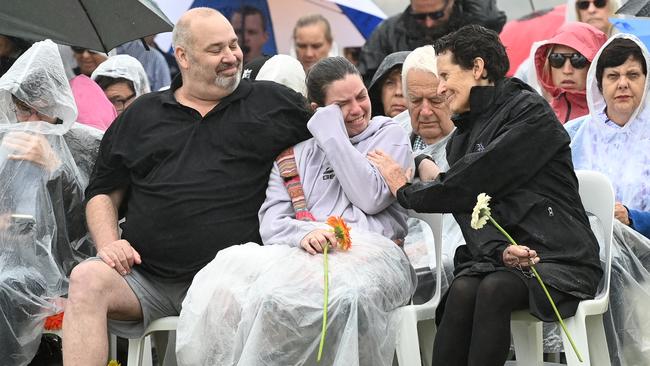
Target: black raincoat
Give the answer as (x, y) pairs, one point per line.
(511, 146)
(402, 33)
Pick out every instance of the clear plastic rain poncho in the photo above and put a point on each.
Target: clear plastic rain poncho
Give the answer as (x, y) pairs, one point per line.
(127, 67)
(41, 213)
(268, 309)
(623, 155)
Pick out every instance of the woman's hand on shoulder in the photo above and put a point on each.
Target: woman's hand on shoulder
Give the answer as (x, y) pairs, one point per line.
(316, 240)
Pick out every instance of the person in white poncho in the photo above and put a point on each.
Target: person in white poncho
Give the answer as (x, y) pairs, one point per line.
(41, 191)
(614, 139)
(257, 305)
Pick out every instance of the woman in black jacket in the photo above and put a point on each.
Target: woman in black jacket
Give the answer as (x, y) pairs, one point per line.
(510, 145)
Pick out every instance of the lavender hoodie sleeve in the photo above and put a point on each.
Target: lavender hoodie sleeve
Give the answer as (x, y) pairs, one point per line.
(362, 183)
(276, 216)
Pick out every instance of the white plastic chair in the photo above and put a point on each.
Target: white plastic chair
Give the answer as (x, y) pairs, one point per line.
(138, 346)
(586, 326)
(417, 327)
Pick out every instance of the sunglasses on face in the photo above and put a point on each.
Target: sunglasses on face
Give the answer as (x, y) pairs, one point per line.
(434, 15)
(584, 4)
(81, 50)
(557, 60)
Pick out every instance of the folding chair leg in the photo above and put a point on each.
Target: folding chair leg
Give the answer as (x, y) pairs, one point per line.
(407, 348)
(577, 327)
(527, 337)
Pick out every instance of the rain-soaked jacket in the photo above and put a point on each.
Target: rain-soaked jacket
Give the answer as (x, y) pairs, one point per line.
(567, 104)
(41, 212)
(394, 60)
(621, 153)
(511, 146)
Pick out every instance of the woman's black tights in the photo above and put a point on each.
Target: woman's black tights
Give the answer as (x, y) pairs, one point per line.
(475, 326)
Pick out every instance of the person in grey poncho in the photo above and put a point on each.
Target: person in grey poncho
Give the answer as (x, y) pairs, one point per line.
(41, 215)
(263, 305)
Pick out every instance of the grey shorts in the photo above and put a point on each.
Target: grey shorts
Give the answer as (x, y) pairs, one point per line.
(159, 297)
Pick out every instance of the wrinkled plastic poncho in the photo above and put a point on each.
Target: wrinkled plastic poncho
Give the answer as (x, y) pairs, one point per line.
(41, 215)
(266, 305)
(127, 67)
(623, 155)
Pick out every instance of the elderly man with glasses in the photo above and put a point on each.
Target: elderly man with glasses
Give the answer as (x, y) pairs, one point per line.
(423, 22)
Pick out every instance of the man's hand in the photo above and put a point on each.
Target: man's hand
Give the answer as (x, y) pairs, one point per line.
(316, 240)
(120, 255)
(621, 214)
(31, 147)
(519, 256)
(392, 172)
(428, 170)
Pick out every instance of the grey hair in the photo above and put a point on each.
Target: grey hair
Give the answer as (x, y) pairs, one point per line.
(422, 58)
(181, 35)
(314, 19)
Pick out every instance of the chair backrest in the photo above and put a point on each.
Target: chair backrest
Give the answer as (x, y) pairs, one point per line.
(434, 220)
(597, 196)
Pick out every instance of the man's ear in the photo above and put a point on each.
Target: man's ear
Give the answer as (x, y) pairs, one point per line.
(181, 57)
(313, 106)
(478, 70)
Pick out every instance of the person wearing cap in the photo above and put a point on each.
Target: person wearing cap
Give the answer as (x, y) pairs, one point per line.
(123, 79)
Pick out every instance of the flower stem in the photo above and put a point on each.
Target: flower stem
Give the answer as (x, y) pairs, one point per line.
(548, 295)
(325, 301)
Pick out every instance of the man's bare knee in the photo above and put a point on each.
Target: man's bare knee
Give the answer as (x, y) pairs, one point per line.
(96, 284)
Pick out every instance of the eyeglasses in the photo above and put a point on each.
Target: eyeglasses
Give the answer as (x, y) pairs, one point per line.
(434, 15)
(120, 103)
(557, 60)
(81, 50)
(584, 4)
(22, 110)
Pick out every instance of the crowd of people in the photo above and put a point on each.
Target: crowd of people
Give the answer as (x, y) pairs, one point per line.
(138, 185)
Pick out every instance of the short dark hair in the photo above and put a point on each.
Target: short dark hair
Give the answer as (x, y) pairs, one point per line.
(106, 81)
(324, 73)
(615, 54)
(472, 41)
(247, 10)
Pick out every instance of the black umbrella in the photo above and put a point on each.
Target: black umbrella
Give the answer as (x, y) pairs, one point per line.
(639, 8)
(95, 24)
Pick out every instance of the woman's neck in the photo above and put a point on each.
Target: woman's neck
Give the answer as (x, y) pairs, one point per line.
(619, 118)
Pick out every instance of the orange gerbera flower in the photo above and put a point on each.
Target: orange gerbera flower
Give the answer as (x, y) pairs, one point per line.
(54, 322)
(341, 231)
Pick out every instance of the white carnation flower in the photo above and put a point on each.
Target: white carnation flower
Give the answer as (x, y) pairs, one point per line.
(481, 212)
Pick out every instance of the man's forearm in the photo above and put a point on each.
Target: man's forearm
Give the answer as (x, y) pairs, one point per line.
(101, 216)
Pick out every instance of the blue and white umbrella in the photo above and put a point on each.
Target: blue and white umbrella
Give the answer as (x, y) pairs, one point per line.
(352, 21)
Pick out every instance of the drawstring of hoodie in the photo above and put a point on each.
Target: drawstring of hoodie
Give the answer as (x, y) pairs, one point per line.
(568, 109)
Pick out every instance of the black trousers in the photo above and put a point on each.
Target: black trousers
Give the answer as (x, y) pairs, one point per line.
(475, 326)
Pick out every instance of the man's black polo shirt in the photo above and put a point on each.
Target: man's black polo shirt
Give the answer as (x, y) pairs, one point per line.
(195, 184)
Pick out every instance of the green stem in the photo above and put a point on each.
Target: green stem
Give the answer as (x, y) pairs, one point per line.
(325, 301)
(548, 295)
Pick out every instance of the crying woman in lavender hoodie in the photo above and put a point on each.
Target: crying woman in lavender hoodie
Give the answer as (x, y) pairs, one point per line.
(257, 305)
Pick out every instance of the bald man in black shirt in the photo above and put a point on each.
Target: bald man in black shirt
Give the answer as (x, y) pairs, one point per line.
(188, 169)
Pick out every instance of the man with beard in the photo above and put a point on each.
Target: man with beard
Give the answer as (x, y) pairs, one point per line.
(423, 22)
(188, 169)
